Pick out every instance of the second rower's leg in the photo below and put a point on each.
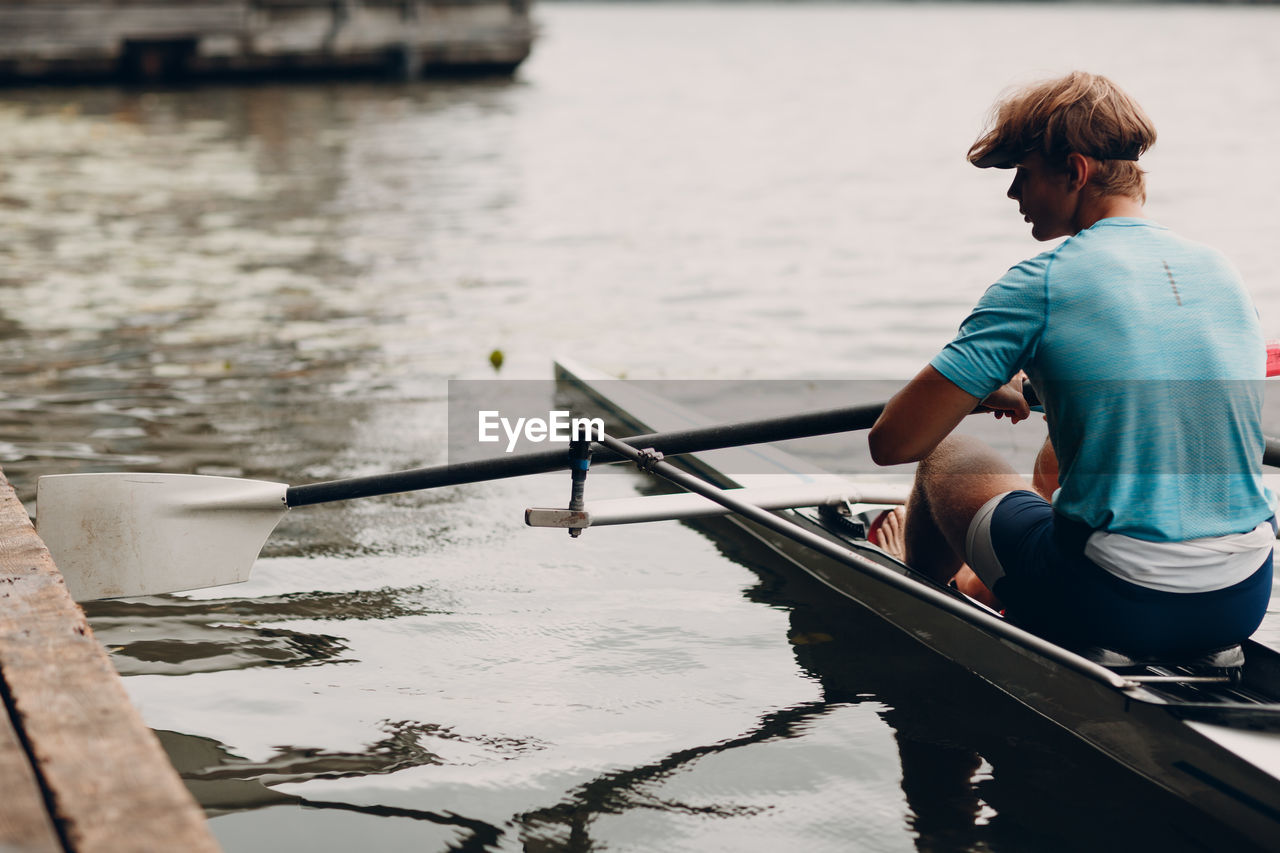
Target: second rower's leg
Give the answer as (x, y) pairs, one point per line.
(952, 483)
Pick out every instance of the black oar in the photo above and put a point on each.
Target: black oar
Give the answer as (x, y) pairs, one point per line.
(675, 442)
(139, 534)
(117, 535)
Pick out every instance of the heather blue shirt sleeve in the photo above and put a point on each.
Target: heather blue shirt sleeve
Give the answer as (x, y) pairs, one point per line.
(1000, 335)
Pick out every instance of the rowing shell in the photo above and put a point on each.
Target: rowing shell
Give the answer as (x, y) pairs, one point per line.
(1212, 741)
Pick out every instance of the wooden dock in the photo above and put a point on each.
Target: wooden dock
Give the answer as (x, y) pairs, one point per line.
(178, 39)
(79, 769)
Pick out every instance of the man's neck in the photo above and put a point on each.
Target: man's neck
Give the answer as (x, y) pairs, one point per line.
(1094, 209)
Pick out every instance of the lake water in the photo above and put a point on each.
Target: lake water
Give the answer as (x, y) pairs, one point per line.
(277, 281)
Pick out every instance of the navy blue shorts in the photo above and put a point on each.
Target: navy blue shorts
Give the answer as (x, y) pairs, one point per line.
(1051, 589)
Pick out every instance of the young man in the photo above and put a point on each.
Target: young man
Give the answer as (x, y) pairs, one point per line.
(1147, 355)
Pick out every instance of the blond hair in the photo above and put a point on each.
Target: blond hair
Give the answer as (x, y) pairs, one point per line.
(1080, 113)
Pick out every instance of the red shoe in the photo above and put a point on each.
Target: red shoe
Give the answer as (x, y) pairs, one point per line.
(873, 530)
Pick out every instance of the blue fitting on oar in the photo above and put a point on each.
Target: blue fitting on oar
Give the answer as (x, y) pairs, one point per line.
(579, 462)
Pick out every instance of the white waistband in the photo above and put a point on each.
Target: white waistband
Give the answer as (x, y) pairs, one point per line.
(1195, 565)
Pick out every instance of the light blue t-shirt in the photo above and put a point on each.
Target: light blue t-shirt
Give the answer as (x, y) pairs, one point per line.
(1149, 358)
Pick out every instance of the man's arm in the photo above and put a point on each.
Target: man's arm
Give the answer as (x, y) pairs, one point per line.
(928, 408)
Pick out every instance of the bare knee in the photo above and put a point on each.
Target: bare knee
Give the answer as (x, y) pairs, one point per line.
(964, 455)
(961, 475)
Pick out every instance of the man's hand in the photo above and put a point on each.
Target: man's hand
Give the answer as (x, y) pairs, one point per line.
(1007, 400)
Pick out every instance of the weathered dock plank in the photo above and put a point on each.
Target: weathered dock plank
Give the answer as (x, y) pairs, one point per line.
(24, 822)
(94, 771)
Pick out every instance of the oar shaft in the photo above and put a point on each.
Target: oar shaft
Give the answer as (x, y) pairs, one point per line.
(695, 440)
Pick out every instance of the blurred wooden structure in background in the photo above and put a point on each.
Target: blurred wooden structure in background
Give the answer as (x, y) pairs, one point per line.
(175, 39)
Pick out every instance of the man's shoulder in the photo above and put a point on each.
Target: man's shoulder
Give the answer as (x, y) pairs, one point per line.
(1137, 239)
(1119, 233)
(1033, 271)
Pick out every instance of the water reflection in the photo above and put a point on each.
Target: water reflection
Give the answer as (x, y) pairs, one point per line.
(173, 636)
(224, 782)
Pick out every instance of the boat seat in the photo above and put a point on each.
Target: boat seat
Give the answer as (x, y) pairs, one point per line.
(1216, 660)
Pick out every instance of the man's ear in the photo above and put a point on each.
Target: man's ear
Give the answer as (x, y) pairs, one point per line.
(1079, 169)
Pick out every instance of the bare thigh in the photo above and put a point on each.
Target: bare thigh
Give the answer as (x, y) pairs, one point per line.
(961, 475)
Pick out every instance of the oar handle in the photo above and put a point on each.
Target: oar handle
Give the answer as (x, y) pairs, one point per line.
(1029, 392)
(672, 443)
(1271, 453)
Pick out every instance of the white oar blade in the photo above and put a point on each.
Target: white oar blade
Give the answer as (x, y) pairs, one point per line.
(116, 535)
